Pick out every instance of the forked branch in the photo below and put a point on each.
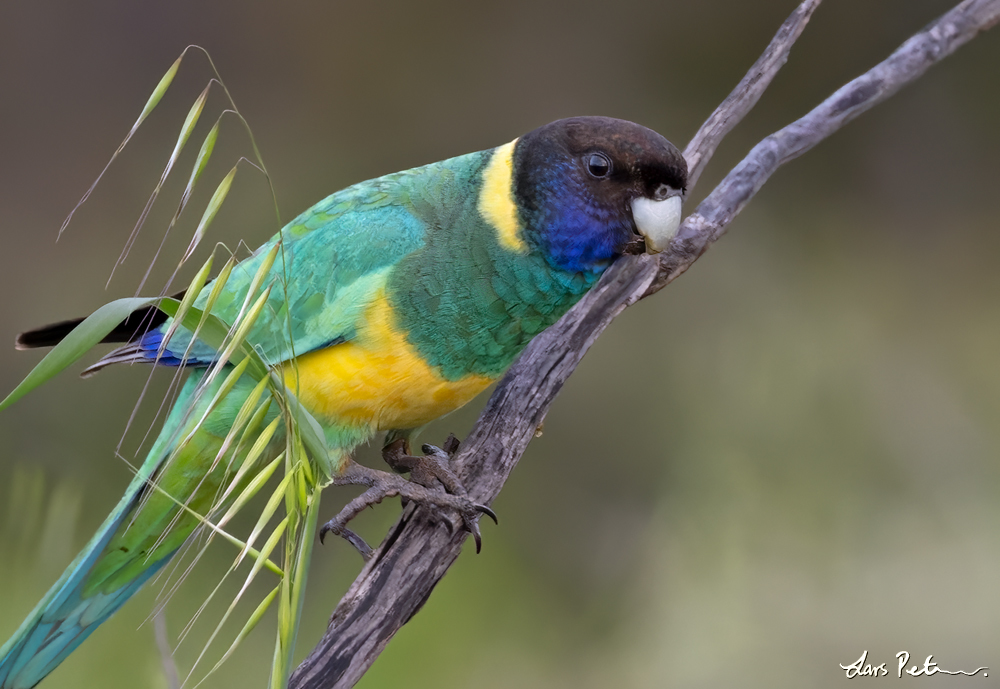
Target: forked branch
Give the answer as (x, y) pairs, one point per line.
(418, 550)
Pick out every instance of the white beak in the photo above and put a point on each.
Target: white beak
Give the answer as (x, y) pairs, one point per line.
(657, 221)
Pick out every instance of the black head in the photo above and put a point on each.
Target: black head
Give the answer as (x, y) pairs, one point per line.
(576, 182)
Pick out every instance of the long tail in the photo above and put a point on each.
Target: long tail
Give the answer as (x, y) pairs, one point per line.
(65, 617)
(138, 537)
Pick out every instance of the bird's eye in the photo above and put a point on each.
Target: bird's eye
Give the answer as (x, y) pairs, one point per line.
(662, 192)
(599, 165)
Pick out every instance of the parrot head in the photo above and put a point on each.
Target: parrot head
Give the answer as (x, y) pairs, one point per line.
(592, 188)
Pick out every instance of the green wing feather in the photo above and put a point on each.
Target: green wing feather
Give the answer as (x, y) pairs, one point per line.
(331, 261)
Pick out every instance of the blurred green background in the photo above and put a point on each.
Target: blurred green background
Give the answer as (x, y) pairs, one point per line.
(787, 457)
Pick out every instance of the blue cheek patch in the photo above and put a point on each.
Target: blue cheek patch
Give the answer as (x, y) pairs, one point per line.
(578, 239)
(576, 233)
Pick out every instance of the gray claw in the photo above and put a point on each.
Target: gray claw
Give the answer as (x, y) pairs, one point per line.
(473, 528)
(333, 526)
(488, 512)
(434, 450)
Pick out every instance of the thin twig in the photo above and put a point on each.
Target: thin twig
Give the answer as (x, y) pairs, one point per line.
(419, 550)
(909, 62)
(166, 653)
(737, 104)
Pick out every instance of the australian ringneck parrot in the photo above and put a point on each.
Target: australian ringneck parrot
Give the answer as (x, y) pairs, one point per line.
(403, 297)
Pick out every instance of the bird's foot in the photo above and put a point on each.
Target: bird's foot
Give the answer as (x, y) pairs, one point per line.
(431, 470)
(426, 472)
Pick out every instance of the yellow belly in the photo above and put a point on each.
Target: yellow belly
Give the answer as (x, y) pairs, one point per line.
(377, 380)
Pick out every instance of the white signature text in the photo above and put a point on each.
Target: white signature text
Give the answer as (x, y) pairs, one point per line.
(862, 668)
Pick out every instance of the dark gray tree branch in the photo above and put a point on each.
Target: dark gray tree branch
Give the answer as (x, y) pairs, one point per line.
(418, 551)
(737, 104)
(909, 62)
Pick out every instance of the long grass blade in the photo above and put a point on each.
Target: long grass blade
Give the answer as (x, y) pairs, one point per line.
(217, 286)
(152, 102)
(255, 617)
(250, 432)
(190, 122)
(251, 436)
(224, 389)
(260, 276)
(204, 154)
(194, 114)
(157, 94)
(192, 292)
(309, 428)
(252, 488)
(214, 332)
(258, 448)
(243, 416)
(245, 324)
(246, 126)
(227, 385)
(246, 463)
(209, 328)
(211, 210)
(79, 341)
(265, 516)
(245, 548)
(299, 573)
(269, 546)
(261, 558)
